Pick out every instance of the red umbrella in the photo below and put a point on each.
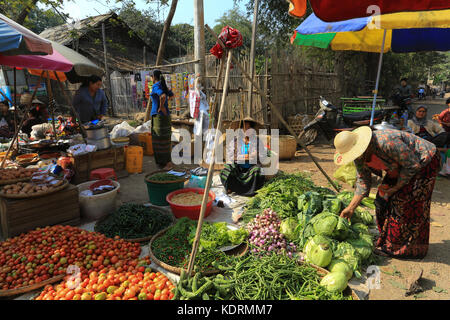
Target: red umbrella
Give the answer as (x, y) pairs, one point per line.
(54, 62)
(332, 11)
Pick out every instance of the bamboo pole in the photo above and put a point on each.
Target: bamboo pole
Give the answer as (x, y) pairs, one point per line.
(16, 133)
(210, 170)
(216, 95)
(51, 104)
(276, 112)
(252, 58)
(77, 116)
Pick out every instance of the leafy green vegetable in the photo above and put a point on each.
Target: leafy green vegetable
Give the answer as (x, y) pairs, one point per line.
(318, 251)
(339, 265)
(348, 253)
(289, 228)
(360, 228)
(335, 282)
(216, 235)
(332, 205)
(362, 216)
(310, 203)
(368, 202)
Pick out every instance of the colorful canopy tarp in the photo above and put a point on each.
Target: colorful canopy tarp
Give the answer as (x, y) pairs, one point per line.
(16, 39)
(357, 35)
(55, 61)
(82, 66)
(332, 10)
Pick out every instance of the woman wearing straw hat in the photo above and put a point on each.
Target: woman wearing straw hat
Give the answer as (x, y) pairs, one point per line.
(404, 197)
(243, 175)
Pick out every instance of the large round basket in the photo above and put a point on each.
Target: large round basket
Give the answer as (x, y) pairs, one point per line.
(5, 182)
(34, 195)
(22, 290)
(287, 147)
(323, 272)
(239, 251)
(139, 240)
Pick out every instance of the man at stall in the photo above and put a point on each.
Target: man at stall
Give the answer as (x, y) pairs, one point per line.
(428, 129)
(404, 198)
(243, 175)
(6, 120)
(161, 124)
(90, 100)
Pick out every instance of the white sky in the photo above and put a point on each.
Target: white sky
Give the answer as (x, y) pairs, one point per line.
(214, 9)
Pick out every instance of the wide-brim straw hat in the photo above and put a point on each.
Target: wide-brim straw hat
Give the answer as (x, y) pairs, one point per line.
(236, 124)
(350, 145)
(37, 101)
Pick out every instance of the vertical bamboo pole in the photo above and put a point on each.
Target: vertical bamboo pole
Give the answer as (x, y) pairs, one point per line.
(211, 169)
(108, 79)
(51, 103)
(252, 57)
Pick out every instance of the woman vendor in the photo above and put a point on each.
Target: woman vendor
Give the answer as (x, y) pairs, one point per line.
(161, 124)
(244, 176)
(404, 198)
(90, 101)
(428, 129)
(6, 120)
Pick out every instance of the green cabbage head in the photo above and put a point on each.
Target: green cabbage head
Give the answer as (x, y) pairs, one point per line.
(289, 228)
(335, 282)
(339, 265)
(318, 251)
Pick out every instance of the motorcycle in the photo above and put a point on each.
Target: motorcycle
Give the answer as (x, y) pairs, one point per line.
(404, 103)
(421, 94)
(330, 120)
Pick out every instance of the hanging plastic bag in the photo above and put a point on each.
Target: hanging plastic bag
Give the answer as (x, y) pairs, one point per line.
(347, 174)
(446, 166)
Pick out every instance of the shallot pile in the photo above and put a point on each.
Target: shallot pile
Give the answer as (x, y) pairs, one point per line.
(265, 234)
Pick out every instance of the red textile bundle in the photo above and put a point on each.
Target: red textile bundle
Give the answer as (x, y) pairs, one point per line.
(231, 37)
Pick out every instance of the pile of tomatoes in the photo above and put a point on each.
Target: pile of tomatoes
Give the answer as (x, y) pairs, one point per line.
(47, 252)
(139, 283)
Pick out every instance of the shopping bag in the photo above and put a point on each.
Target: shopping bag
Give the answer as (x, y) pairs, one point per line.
(347, 174)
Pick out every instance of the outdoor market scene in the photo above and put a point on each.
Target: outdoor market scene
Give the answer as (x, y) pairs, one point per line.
(247, 150)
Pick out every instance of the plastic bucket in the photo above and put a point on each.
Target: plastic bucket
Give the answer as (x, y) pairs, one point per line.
(97, 206)
(134, 157)
(145, 140)
(192, 212)
(158, 192)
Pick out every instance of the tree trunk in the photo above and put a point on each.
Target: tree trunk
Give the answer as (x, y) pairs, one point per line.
(165, 33)
(24, 13)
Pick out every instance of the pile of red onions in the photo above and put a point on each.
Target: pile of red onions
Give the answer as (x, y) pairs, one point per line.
(265, 234)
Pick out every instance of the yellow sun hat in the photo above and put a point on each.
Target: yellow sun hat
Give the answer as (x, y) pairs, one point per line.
(350, 145)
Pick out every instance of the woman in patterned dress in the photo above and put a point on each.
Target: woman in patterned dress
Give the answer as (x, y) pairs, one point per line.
(404, 198)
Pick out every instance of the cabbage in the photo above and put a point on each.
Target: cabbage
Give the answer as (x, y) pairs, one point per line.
(318, 251)
(362, 216)
(330, 225)
(348, 253)
(360, 228)
(289, 228)
(339, 265)
(332, 205)
(335, 282)
(363, 245)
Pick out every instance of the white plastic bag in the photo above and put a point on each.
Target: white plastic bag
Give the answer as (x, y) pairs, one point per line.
(121, 130)
(146, 127)
(446, 166)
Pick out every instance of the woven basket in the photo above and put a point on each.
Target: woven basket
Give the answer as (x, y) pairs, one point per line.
(5, 182)
(22, 290)
(288, 147)
(35, 195)
(239, 251)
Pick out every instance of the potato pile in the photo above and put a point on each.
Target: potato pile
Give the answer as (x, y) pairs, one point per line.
(39, 183)
(13, 174)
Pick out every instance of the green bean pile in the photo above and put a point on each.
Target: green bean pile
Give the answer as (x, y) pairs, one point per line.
(276, 277)
(133, 221)
(163, 176)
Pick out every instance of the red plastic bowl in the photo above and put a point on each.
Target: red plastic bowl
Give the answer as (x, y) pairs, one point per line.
(192, 212)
